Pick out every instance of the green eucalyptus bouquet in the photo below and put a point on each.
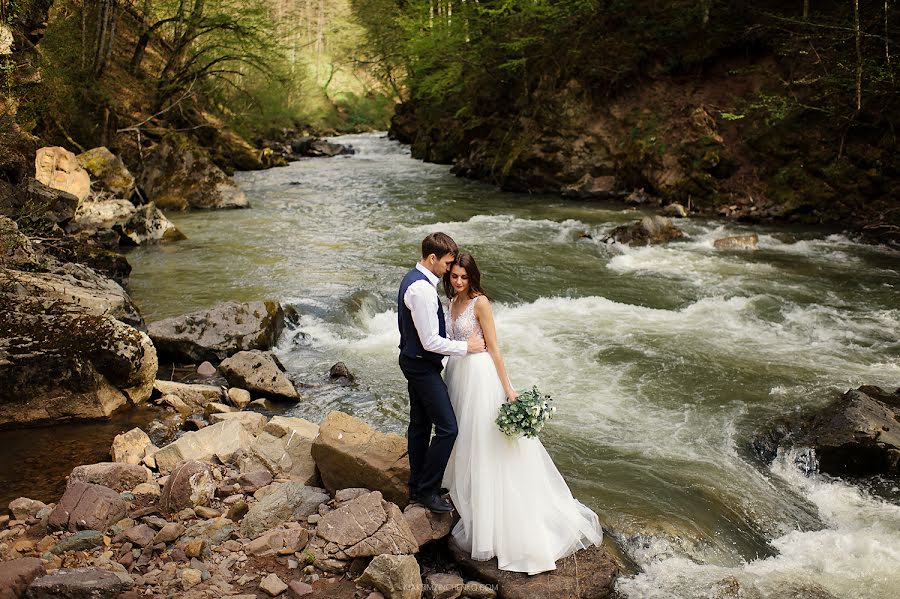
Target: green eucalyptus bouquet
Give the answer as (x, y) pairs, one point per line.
(527, 415)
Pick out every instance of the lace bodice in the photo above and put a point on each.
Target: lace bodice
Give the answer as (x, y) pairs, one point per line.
(460, 329)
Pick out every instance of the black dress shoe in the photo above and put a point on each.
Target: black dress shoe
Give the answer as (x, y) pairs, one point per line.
(436, 504)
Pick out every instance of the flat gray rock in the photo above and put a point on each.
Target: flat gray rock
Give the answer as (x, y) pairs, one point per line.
(219, 332)
(79, 583)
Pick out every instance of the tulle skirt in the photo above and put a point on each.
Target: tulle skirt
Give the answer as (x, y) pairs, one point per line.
(512, 501)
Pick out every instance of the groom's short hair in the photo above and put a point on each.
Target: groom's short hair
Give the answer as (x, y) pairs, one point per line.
(439, 244)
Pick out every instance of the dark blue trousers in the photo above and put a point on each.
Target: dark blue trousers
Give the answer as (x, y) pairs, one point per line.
(429, 407)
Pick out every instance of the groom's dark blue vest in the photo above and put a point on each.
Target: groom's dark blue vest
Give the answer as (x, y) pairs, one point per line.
(410, 346)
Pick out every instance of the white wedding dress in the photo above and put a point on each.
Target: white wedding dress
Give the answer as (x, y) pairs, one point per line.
(512, 501)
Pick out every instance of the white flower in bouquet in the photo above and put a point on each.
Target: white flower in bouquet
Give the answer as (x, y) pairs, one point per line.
(527, 415)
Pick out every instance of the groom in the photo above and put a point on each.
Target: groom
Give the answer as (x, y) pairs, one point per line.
(423, 343)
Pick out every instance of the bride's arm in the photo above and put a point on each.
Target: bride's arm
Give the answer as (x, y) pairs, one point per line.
(485, 316)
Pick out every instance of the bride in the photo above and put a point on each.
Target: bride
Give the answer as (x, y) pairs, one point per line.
(512, 501)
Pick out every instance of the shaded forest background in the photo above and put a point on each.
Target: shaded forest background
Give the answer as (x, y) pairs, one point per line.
(754, 110)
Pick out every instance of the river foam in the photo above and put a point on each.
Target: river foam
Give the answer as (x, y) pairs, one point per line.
(856, 554)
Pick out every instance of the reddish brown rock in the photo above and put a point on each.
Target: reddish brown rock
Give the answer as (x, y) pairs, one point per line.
(115, 475)
(298, 588)
(428, 526)
(17, 574)
(86, 506)
(191, 484)
(140, 535)
(588, 573)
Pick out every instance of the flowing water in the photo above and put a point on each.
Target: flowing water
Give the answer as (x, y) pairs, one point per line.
(664, 360)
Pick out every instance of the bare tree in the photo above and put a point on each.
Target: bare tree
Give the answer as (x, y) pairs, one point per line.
(859, 63)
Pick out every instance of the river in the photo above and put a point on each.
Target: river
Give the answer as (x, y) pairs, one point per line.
(664, 360)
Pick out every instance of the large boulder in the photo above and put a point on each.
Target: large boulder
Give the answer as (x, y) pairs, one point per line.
(647, 231)
(364, 527)
(195, 396)
(284, 448)
(259, 373)
(147, 225)
(220, 441)
(100, 214)
(42, 202)
(219, 332)
(86, 506)
(737, 242)
(108, 171)
(59, 364)
(252, 421)
(590, 572)
(58, 168)
(396, 576)
(190, 484)
(115, 475)
(289, 501)
(350, 453)
(179, 175)
(131, 447)
(131, 225)
(86, 290)
(858, 435)
(321, 147)
(226, 147)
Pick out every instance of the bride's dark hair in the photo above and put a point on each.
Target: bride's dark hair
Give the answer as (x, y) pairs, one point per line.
(467, 261)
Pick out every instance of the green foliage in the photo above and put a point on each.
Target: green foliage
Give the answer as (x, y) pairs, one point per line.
(496, 57)
(773, 108)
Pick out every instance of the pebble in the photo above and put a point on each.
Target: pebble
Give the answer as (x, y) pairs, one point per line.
(207, 512)
(190, 578)
(273, 585)
(299, 589)
(193, 548)
(313, 518)
(206, 369)
(232, 545)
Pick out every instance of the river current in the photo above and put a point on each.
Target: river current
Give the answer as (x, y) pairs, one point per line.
(664, 360)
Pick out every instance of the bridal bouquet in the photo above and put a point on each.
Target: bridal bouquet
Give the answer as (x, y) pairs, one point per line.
(527, 415)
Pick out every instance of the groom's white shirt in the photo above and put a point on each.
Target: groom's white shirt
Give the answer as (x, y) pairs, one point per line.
(422, 300)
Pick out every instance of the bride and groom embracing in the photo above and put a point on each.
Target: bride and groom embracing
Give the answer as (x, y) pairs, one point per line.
(512, 502)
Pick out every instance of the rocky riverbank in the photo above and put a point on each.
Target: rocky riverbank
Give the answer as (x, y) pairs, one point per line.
(716, 145)
(251, 506)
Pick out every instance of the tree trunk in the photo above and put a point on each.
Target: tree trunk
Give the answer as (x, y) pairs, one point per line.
(106, 54)
(887, 47)
(859, 63)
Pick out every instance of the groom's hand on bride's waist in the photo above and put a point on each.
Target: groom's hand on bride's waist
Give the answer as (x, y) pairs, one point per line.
(476, 344)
